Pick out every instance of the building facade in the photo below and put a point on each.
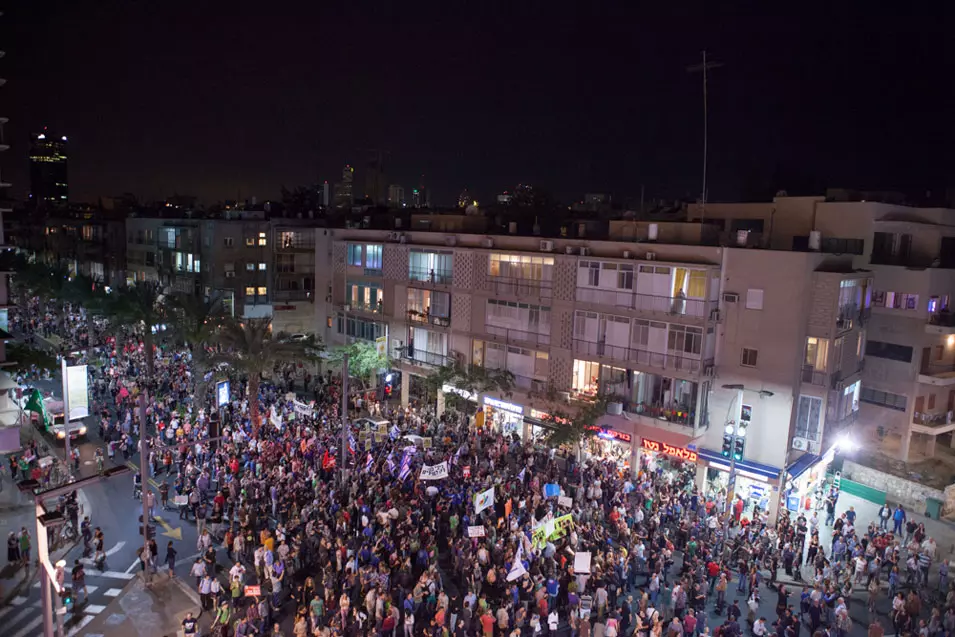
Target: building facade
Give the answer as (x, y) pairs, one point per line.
(49, 183)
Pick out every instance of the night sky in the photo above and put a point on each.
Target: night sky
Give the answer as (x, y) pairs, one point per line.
(235, 99)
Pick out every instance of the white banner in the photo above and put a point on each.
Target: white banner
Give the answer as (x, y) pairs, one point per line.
(483, 500)
(78, 397)
(565, 501)
(301, 409)
(222, 393)
(475, 531)
(517, 568)
(434, 472)
(582, 562)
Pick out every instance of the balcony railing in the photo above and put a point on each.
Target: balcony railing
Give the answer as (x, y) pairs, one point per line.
(672, 305)
(439, 277)
(512, 286)
(812, 376)
(517, 336)
(669, 414)
(665, 360)
(527, 383)
(942, 319)
(930, 420)
(372, 308)
(421, 357)
(431, 319)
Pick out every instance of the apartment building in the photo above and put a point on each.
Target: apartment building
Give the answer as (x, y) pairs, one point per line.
(294, 244)
(658, 327)
(908, 384)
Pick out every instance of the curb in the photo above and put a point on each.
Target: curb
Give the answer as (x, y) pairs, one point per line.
(188, 591)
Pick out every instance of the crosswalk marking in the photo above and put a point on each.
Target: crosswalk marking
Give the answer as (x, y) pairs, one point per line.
(26, 612)
(80, 626)
(116, 575)
(112, 592)
(5, 610)
(93, 609)
(19, 600)
(29, 628)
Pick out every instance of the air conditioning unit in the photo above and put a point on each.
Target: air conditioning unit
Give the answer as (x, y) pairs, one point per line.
(815, 447)
(650, 256)
(487, 242)
(615, 409)
(627, 254)
(394, 236)
(730, 297)
(585, 252)
(801, 444)
(450, 241)
(564, 396)
(716, 315)
(709, 370)
(569, 250)
(547, 246)
(839, 385)
(402, 239)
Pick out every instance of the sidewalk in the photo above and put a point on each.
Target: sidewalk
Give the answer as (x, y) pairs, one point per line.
(146, 612)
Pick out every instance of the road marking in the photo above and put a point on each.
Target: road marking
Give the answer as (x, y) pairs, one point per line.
(132, 566)
(89, 590)
(29, 628)
(80, 626)
(22, 614)
(5, 610)
(93, 609)
(116, 575)
(112, 592)
(19, 600)
(118, 547)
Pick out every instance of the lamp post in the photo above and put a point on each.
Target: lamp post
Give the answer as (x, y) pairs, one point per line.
(736, 429)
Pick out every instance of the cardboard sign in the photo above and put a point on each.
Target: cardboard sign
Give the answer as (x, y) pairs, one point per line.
(582, 562)
(253, 591)
(434, 472)
(565, 501)
(466, 471)
(180, 500)
(475, 531)
(426, 443)
(551, 490)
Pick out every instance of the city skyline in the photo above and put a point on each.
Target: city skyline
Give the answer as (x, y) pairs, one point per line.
(595, 102)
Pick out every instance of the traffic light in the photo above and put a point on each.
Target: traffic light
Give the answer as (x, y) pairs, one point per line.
(727, 445)
(738, 449)
(66, 596)
(150, 529)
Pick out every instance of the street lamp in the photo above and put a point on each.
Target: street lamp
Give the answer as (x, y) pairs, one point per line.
(735, 436)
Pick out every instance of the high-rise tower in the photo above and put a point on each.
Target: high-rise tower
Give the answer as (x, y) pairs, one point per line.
(49, 184)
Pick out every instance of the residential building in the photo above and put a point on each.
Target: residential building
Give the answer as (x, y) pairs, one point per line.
(49, 184)
(9, 410)
(293, 274)
(908, 384)
(656, 328)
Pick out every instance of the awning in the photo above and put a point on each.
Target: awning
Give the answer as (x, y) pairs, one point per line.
(765, 470)
(640, 428)
(802, 464)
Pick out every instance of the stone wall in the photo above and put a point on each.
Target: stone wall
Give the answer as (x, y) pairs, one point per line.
(898, 490)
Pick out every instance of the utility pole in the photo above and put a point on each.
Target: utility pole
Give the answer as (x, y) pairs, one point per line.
(66, 416)
(344, 453)
(703, 68)
(143, 472)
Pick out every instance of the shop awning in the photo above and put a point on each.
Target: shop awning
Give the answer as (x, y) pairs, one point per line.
(638, 427)
(802, 464)
(765, 470)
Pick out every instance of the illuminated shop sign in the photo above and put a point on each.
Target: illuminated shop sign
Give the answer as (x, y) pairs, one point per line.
(664, 448)
(610, 434)
(504, 406)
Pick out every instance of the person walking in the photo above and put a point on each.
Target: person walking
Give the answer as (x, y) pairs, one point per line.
(898, 519)
(171, 559)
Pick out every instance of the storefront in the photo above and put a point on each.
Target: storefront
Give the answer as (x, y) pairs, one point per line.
(611, 444)
(656, 453)
(504, 417)
(805, 481)
(756, 483)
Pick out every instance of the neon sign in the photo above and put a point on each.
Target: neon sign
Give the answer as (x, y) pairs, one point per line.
(610, 433)
(664, 448)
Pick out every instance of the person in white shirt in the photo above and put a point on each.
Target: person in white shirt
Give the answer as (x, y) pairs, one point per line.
(237, 572)
(759, 627)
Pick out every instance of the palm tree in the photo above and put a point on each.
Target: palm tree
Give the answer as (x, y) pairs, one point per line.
(142, 306)
(194, 322)
(249, 346)
(474, 379)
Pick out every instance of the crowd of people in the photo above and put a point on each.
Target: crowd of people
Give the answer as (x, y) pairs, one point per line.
(439, 528)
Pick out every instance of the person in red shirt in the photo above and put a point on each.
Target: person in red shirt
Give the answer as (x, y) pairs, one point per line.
(487, 624)
(738, 508)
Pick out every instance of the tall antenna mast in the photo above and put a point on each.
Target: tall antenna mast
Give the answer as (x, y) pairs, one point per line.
(703, 68)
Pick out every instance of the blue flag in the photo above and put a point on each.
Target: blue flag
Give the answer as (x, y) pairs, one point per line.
(390, 462)
(368, 462)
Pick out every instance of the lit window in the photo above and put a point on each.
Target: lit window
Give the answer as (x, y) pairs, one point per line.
(261, 267)
(262, 290)
(249, 242)
(250, 291)
(262, 240)
(249, 267)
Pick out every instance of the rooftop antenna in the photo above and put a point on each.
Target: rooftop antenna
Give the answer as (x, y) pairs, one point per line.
(703, 68)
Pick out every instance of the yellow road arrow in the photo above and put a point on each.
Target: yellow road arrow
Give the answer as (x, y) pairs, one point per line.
(168, 531)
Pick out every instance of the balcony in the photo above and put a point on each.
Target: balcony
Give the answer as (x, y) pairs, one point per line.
(528, 384)
(812, 376)
(367, 308)
(423, 358)
(664, 360)
(839, 424)
(512, 286)
(935, 423)
(669, 305)
(941, 323)
(434, 277)
(937, 375)
(418, 316)
(509, 336)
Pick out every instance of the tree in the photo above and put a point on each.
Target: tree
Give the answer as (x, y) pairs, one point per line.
(364, 360)
(194, 322)
(576, 428)
(21, 356)
(249, 346)
(473, 379)
(142, 306)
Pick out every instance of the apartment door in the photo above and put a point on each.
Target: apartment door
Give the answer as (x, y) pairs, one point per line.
(951, 400)
(926, 359)
(920, 405)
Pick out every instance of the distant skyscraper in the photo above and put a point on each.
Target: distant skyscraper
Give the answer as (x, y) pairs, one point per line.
(417, 200)
(375, 185)
(396, 196)
(344, 196)
(325, 194)
(464, 199)
(49, 186)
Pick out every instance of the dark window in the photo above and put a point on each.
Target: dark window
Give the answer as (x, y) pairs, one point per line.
(947, 253)
(883, 399)
(891, 351)
(843, 246)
